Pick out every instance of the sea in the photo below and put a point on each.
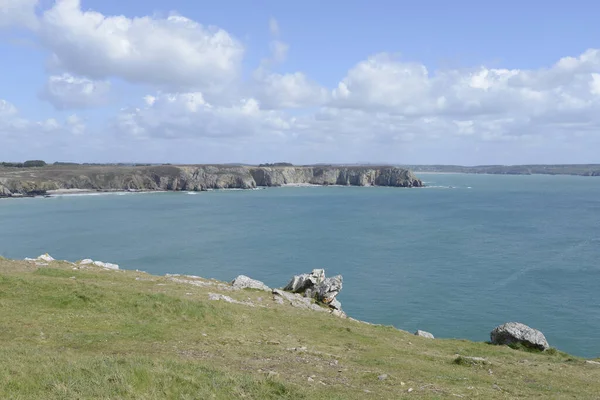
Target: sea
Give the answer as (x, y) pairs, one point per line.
(456, 258)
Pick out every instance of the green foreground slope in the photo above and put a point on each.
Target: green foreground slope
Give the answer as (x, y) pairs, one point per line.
(98, 334)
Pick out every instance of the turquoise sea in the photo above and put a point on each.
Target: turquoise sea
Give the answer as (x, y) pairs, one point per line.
(457, 258)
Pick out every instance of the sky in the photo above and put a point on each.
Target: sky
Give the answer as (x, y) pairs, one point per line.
(403, 82)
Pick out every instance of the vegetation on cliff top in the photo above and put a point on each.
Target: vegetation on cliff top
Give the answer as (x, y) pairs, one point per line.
(92, 333)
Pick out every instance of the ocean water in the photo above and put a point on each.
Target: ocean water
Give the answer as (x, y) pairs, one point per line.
(457, 258)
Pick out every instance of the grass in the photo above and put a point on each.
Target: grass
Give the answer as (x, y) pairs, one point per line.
(98, 334)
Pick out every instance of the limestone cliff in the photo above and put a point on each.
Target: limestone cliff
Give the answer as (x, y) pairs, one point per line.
(38, 181)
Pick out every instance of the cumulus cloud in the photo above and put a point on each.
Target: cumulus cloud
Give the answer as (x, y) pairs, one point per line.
(175, 116)
(491, 103)
(14, 126)
(67, 92)
(383, 105)
(293, 90)
(18, 13)
(75, 124)
(174, 52)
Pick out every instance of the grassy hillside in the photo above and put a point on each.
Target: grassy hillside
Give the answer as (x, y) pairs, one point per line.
(99, 334)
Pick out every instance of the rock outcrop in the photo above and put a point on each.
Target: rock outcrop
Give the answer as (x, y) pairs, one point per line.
(39, 181)
(301, 283)
(424, 334)
(100, 264)
(244, 282)
(314, 286)
(518, 333)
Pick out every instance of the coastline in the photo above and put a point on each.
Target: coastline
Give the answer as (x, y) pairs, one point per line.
(87, 331)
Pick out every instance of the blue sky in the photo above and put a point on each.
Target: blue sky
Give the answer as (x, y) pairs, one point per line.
(458, 82)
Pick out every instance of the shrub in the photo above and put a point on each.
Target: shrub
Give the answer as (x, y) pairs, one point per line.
(34, 163)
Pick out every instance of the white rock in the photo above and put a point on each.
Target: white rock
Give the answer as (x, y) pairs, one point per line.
(86, 262)
(424, 334)
(516, 332)
(244, 282)
(105, 265)
(45, 257)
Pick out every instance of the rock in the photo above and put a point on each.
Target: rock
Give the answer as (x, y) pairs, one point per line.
(339, 313)
(466, 360)
(336, 305)
(382, 377)
(296, 300)
(106, 265)
(244, 282)
(424, 334)
(300, 283)
(100, 264)
(45, 257)
(592, 362)
(515, 332)
(328, 289)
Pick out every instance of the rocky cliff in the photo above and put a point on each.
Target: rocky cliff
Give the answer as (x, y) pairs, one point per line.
(38, 181)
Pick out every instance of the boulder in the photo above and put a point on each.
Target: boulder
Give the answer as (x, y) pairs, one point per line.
(335, 304)
(296, 300)
(106, 265)
(300, 283)
(45, 257)
(316, 286)
(244, 282)
(516, 332)
(329, 289)
(424, 334)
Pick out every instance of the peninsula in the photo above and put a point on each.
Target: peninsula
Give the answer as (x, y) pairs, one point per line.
(24, 180)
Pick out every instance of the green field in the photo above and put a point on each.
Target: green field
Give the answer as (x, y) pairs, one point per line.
(98, 334)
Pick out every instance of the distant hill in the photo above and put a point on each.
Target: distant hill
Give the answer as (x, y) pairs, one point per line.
(557, 169)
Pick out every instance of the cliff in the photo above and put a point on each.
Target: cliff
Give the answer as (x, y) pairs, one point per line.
(38, 181)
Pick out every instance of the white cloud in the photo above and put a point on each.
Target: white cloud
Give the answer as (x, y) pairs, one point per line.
(274, 27)
(7, 109)
(295, 90)
(14, 126)
(595, 84)
(385, 108)
(67, 92)
(75, 124)
(173, 52)
(189, 115)
(18, 13)
(384, 105)
(493, 103)
(279, 51)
